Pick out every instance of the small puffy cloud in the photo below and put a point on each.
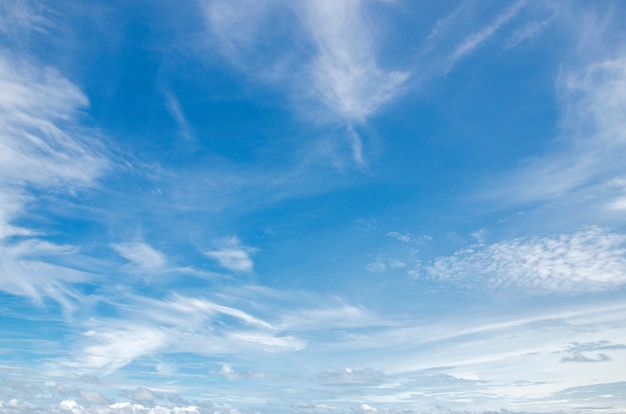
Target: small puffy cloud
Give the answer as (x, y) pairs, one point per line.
(228, 372)
(71, 406)
(377, 265)
(365, 408)
(588, 260)
(232, 255)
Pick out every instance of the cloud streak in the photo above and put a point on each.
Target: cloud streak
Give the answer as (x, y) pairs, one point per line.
(473, 41)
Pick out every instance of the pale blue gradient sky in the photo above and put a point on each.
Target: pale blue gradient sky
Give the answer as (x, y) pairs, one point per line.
(312, 207)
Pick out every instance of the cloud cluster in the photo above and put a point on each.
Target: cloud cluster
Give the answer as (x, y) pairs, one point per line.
(588, 260)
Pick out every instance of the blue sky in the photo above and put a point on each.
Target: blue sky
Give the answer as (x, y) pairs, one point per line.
(381, 206)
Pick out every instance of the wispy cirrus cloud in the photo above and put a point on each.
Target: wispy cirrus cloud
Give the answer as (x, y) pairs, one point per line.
(587, 170)
(43, 148)
(331, 59)
(529, 32)
(18, 18)
(345, 73)
(178, 324)
(473, 41)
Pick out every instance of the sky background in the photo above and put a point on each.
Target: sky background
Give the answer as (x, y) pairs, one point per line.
(316, 206)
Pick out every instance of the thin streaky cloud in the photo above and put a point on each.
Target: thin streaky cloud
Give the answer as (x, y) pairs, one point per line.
(173, 106)
(473, 41)
(442, 25)
(529, 32)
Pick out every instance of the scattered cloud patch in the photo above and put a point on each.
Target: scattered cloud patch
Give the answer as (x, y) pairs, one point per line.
(382, 263)
(403, 237)
(587, 260)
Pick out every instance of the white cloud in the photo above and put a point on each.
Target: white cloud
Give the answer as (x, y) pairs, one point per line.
(377, 265)
(173, 105)
(403, 237)
(345, 74)
(180, 324)
(232, 255)
(142, 255)
(584, 261)
(228, 372)
(26, 270)
(42, 147)
(529, 31)
(331, 57)
(587, 169)
(442, 25)
(470, 43)
(382, 263)
(109, 348)
(19, 17)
